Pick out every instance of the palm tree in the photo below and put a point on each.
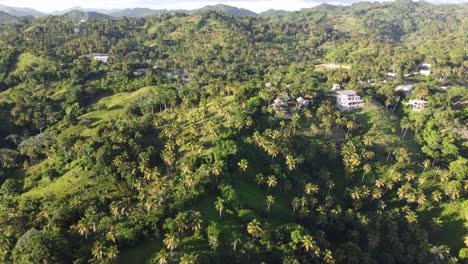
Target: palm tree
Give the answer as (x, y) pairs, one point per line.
(295, 204)
(112, 235)
(367, 168)
(328, 256)
(309, 244)
(426, 164)
(350, 125)
(219, 205)
(243, 164)
(260, 179)
(270, 200)
(411, 217)
(292, 162)
(310, 189)
(197, 221)
(83, 229)
(162, 256)
(436, 196)
(98, 250)
(367, 141)
(295, 121)
(112, 253)
(314, 128)
(171, 242)
(188, 259)
(271, 182)
(253, 228)
(236, 240)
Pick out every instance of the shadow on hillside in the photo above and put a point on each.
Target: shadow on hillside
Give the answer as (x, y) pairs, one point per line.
(451, 232)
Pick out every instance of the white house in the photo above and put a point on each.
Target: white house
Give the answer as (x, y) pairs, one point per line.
(426, 65)
(425, 72)
(101, 57)
(406, 89)
(268, 85)
(391, 74)
(336, 87)
(417, 105)
(303, 102)
(348, 100)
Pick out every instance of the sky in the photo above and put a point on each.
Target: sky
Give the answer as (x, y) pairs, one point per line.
(254, 5)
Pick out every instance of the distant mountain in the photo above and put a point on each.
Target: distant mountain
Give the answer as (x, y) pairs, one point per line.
(79, 8)
(5, 17)
(77, 14)
(226, 9)
(21, 12)
(137, 12)
(274, 13)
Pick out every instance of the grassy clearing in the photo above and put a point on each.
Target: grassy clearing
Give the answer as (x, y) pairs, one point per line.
(331, 66)
(71, 182)
(454, 224)
(108, 108)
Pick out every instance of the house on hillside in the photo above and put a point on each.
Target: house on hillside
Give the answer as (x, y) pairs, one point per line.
(100, 57)
(268, 85)
(302, 102)
(407, 89)
(336, 87)
(391, 74)
(425, 69)
(347, 100)
(284, 103)
(417, 105)
(425, 72)
(426, 65)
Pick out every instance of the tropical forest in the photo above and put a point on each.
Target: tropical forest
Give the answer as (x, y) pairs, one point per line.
(333, 134)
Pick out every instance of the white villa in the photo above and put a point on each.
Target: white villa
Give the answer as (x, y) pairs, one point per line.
(425, 72)
(391, 74)
(417, 105)
(100, 57)
(407, 89)
(336, 87)
(268, 85)
(348, 100)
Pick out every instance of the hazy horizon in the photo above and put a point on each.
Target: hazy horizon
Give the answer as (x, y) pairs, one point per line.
(49, 6)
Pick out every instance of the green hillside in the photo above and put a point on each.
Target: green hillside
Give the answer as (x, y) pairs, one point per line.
(216, 136)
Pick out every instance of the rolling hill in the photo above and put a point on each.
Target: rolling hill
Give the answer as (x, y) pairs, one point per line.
(226, 9)
(21, 12)
(5, 17)
(76, 14)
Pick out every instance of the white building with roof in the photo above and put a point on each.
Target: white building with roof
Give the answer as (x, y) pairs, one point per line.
(407, 89)
(101, 57)
(347, 100)
(336, 87)
(425, 72)
(417, 105)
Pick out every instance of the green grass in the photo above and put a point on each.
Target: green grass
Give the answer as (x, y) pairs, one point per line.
(107, 108)
(454, 224)
(70, 182)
